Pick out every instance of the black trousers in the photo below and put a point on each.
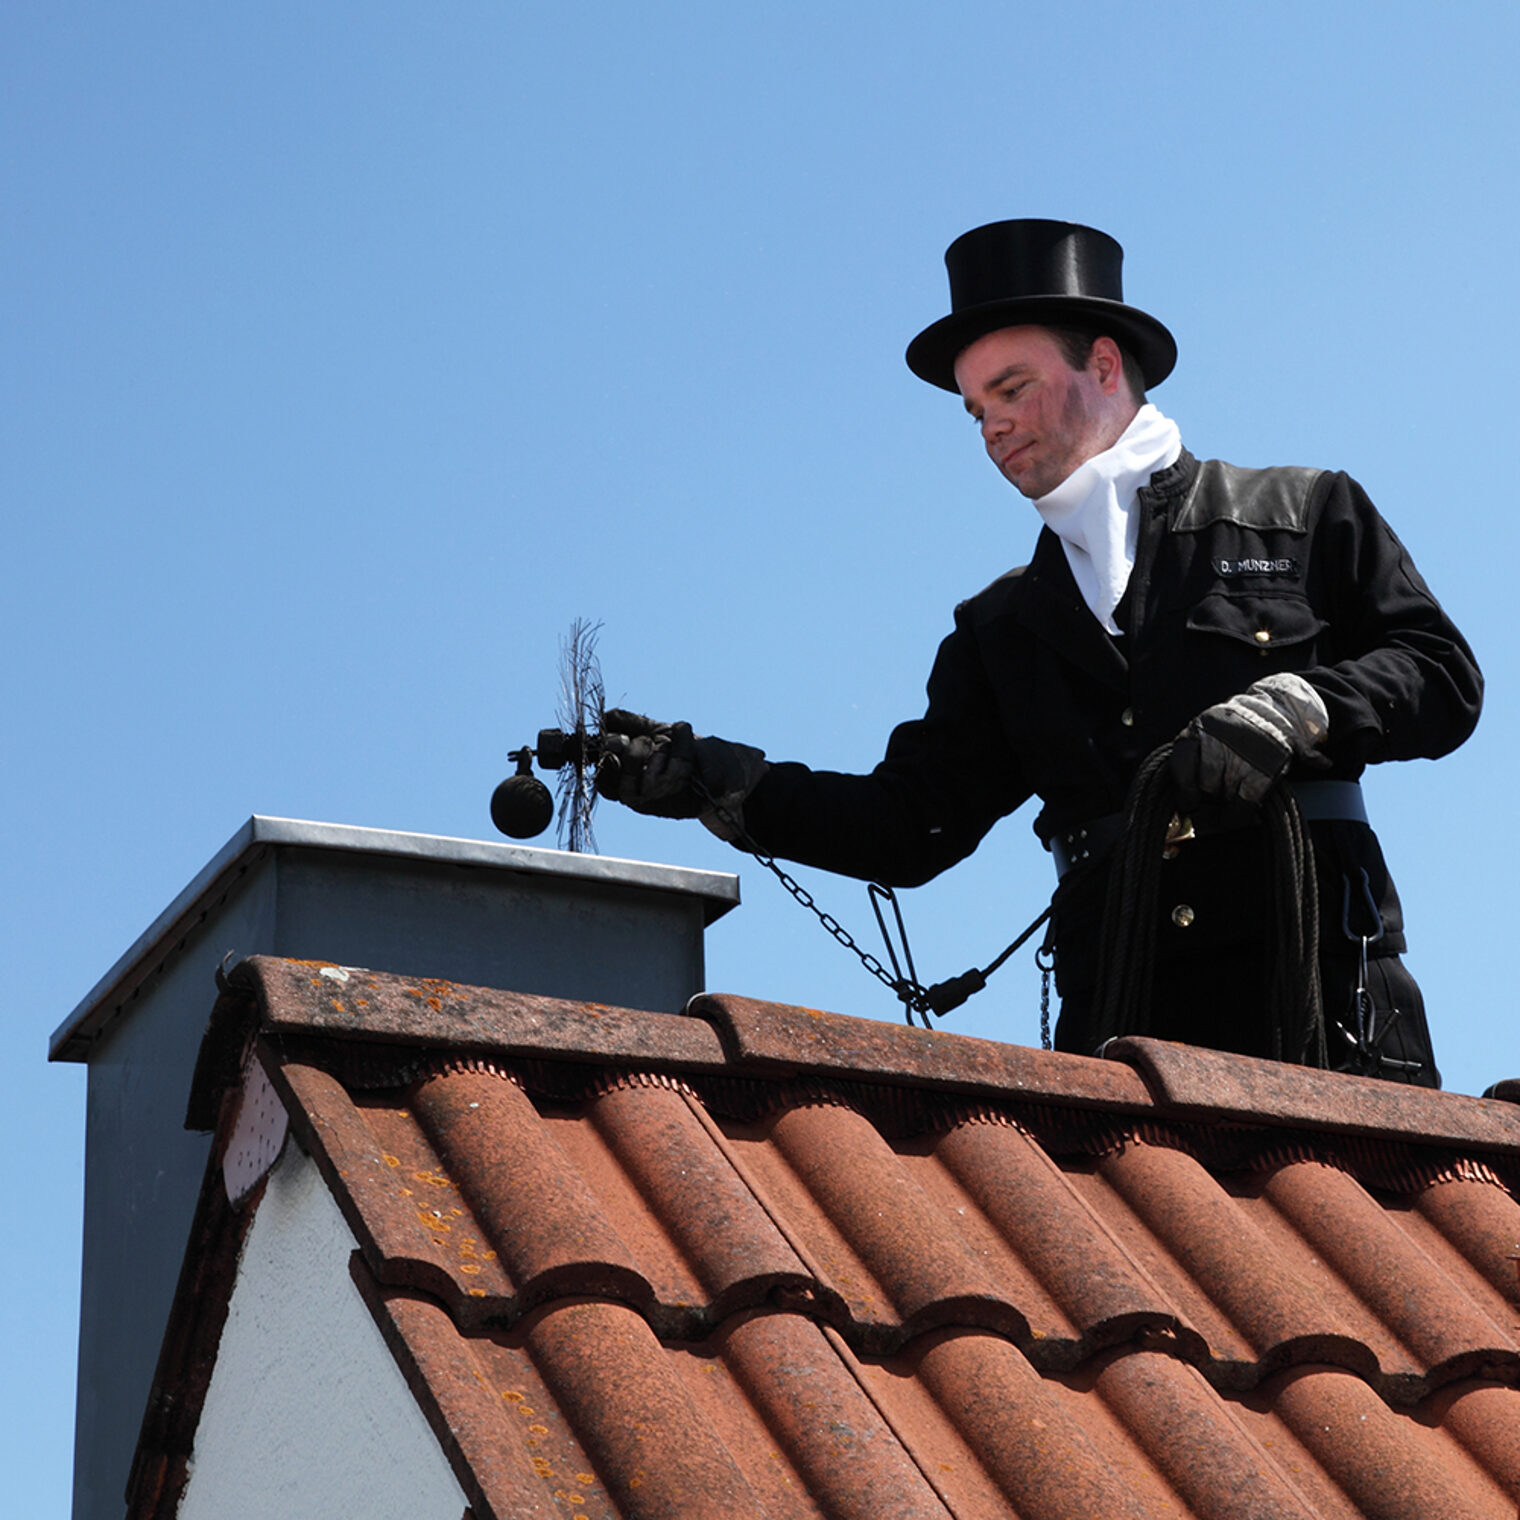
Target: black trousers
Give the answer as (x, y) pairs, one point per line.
(1218, 1000)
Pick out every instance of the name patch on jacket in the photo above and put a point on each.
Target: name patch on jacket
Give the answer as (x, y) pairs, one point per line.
(1256, 566)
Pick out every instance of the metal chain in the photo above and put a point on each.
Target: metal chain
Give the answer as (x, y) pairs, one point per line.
(1045, 959)
(938, 1000)
(909, 992)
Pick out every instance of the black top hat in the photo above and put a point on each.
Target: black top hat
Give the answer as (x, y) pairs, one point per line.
(1051, 274)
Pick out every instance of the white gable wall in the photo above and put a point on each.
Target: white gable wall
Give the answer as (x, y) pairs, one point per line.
(307, 1414)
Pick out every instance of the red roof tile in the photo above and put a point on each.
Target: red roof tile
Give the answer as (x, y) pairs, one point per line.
(766, 1261)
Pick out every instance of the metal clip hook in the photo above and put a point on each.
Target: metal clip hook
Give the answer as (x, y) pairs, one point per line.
(907, 988)
(1368, 1038)
(1361, 1000)
(1372, 908)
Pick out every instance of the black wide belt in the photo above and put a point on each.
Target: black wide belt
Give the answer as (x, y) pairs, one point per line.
(1318, 801)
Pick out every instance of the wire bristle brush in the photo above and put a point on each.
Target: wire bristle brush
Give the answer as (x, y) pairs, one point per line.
(522, 806)
(580, 720)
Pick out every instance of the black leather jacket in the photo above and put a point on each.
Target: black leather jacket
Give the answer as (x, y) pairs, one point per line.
(1238, 573)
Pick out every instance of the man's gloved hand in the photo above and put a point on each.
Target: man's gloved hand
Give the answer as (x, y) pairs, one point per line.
(1234, 751)
(656, 768)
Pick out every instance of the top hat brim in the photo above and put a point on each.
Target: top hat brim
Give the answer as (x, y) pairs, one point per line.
(932, 354)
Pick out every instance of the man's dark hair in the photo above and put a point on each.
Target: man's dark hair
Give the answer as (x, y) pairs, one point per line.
(1076, 344)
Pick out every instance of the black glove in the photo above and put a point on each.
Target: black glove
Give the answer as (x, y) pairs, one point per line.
(658, 768)
(1234, 751)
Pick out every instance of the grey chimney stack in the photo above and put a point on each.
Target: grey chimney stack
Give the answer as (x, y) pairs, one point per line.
(509, 916)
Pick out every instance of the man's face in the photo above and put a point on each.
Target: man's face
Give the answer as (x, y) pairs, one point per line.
(1040, 418)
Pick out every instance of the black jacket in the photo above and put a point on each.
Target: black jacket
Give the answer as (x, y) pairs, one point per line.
(1238, 573)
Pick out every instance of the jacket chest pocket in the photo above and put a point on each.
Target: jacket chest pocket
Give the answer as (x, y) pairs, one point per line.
(1257, 620)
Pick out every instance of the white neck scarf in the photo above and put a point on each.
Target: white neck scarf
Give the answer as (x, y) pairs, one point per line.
(1092, 511)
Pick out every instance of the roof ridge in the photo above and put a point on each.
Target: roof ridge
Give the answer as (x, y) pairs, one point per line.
(737, 1037)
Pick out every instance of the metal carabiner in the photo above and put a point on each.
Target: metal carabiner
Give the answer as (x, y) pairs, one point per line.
(1368, 1039)
(1372, 908)
(909, 993)
(1364, 1013)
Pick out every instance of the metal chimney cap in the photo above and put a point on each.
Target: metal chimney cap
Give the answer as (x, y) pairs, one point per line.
(75, 1037)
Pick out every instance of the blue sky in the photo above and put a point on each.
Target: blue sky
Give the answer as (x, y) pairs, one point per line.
(352, 351)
